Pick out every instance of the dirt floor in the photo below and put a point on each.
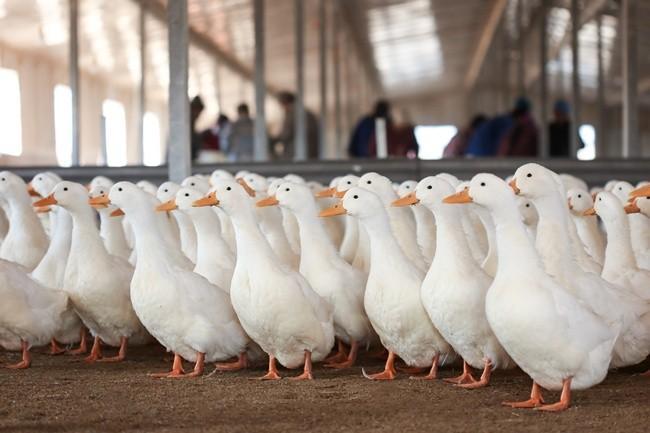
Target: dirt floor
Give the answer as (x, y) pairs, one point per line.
(62, 394)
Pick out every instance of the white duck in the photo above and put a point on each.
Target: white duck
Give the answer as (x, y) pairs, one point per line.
(336, 281)
(181, 309)
(639, 227)
(148, 187)
(333, 226)
(424, 222)
(528, 216)
(545, 330)
(275, 305)
(392, 297)
(167, 191)
(214, 259)
(620, 265)
(401, 219)
(355, 246)
(453, 291)
(580, 200)
(26, 241)
(289, 223)
(614, 306)
(111, 228)
(97, 282)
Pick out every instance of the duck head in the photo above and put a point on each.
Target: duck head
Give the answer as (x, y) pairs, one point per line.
(100, 180)
(255, 184)
(344, 184)
(128, 198)
(292, 196)
(622, 190)
(42, 184)
(579, 200)
(12, 185)
(535, 181)
(229, 195)
(358, 202)
(378, 184)
(69, 195)
(639, 205)
(167, 191)
(147, 187)
(485, 190)
(294, 178)
(607, 206)
(528, 211)
(406, 188)
(184, 199)
(220, 174)
(196, 182)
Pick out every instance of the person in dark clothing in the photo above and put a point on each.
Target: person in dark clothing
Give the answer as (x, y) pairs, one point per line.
(487, 137)
(196, 139)
(364, 132)
(521, 139)
(460, 142)
(287, 133)
(559, 131)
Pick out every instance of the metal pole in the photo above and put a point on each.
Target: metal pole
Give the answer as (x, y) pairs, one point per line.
(631, 144)
(337, 88)
(600, 131)
(180, 164)
(300, 132)
(261, 150)
(322, 47)
(543, 149)
(73, 66)
(575, 79)
(142, 95)
(521, 61)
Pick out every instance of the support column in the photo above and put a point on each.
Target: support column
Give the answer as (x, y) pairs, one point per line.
(543, 149)
(142, 91)
(322, 51)
(340, 152)
(631, 144)
(300, 132)
(261, 149)
(575, 80)
(180, 164)
(600, 101)
(521, 61)
(73, 77)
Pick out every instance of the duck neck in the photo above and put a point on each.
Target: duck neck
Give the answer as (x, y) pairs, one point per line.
(450, 237)
(315, 244)
(384, 248)
(618, 253)
(23, 221)
(488, 224)
(53, 263)
(110, 229)
(252, 245)
(85, 236)
(553, 238)
(210, 246)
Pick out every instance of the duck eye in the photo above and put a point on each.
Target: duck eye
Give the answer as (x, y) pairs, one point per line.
(355, 197)
(287, 189)
(65, 189)
(349, 183)
(166, 190)
(600, 199)
(369, 182)
(187, 194)
(40, 178)
(482, 183)
(429, 187)
(228, 188)
(3, 179)
(529, 175)
(579, 195)
(527, 204)
(192, 184)
(119, 189)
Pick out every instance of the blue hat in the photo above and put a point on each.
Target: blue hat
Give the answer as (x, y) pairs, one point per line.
(522, 104)
(562, 106)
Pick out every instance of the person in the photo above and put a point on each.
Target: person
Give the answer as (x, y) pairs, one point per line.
(521, 139)
(400, 139)
(485, 140)
(364, 132)
(196, 138)
(460, 142)
(559, 131)
(242, 136)
(287, 132)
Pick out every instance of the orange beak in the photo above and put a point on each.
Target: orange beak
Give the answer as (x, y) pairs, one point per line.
(32, 192)
(408, 199)
(99, 202)
(335, 210)
(632, 208)
(339, 194)
(43, 209)
(329, 192)
(167, 206)
(513, 185)
(459, 197)
(268, 201)
(117, 212)
(589, 212)
(208, 200)
(644, 191)
(47, 201)
(246, 187)
(570, 205)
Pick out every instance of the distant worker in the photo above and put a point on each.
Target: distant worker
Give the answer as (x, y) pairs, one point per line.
(521, 139)
(364, 132)
(196, 139)
(242, 136)
(460, 142)
(287, 134)
(486, 139)
(559, 131)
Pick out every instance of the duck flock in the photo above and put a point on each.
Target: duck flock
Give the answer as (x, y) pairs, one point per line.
(535, 272)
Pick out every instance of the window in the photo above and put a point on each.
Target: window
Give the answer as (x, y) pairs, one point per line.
(10, 113)
(151, 154)
(114, 133)
(588, 137)
(433, 140)
(63, 125)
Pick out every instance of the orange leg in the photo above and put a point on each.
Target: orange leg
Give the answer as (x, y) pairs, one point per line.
(121, 354)
(177, 368)
(95, 352)
(339, 356)
(565, 399)
(55, 349)
(433, 373)
(464, 378)
(199, 366)
(485, 378)
(273, 371)
(646, 374)
(27, 359)
(83, 345)
(389, 372)
(306, 374)
(352, 357)
(241, 363)
(535, 399)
